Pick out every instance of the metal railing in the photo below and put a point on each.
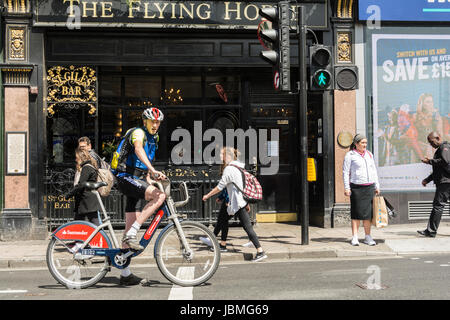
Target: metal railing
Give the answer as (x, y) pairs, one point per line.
(199, 181)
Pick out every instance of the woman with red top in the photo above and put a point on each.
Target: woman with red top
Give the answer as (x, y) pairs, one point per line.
(360, 183)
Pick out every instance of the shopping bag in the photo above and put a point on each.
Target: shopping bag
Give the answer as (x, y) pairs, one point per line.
(380, 212)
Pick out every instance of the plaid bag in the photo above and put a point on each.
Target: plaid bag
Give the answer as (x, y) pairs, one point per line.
(252, 191)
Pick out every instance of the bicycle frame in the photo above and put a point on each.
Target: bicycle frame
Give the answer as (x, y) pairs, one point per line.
(68, 232)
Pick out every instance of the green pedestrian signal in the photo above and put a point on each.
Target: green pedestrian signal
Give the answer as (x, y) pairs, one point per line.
(322, 78)
(321, 68)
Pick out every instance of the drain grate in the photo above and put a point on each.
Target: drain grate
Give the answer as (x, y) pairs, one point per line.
(422, 209)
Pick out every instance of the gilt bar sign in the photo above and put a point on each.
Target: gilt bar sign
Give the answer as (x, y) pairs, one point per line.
(71, 87)
(75, 14)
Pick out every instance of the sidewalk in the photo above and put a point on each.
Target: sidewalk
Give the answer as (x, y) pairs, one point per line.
(281, 241)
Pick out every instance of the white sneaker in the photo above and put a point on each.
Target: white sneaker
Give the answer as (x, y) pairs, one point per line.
(248, 244)
(369, 241)
(355, 241)
(206, 241)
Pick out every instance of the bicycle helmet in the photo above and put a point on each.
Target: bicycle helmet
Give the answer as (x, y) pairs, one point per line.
(153, 114)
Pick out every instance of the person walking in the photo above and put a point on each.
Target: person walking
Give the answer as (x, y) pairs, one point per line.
(84, 143)
(441, 178)
(86, 203)
(222, 222)
(360, 183)
(232, 180)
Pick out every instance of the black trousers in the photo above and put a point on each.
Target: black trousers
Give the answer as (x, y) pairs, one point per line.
(244, 217)
(441, 197)
(222, 222)
(92, 217)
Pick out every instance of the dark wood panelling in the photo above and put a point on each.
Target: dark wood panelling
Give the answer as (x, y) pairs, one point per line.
(153, 49)
(84, 46)
(231, 50)
(183, 49)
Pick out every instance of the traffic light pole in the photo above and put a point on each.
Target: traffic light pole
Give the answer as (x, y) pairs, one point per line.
(303, 125)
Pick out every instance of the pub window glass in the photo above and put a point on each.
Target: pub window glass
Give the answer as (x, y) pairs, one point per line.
(177, 119)
(222, 89)
(182, 90)
(142, 91)
(63, 134)
(110, 86)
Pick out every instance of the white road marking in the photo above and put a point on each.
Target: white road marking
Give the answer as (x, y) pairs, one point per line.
(428, 261)
(13, 291)
(415, 258)
(183, 293)
(444, 265)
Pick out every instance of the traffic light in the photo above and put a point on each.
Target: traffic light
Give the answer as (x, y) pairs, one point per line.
(321, 68)
(278, 36)
(346, 77)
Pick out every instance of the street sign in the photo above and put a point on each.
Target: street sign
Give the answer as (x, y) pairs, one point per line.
(276, 80)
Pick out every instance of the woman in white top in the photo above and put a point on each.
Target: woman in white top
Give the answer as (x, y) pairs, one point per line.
(360, 183)
(231, 178)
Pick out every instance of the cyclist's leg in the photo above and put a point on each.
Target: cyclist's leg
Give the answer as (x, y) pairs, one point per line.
(155, 200)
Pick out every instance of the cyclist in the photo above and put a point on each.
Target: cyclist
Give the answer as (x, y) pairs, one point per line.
(135, 182)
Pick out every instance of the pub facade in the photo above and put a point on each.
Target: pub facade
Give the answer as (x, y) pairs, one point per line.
(75, 68)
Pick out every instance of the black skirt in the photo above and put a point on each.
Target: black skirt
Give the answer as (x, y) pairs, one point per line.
(361, 201)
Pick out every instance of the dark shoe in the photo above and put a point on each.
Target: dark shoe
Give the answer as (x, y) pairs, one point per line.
(222, 248)
(259, 256)
(131, 280)
(133, 243)
(426, 233)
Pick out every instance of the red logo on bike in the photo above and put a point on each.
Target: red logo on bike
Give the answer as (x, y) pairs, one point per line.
(82, 232)
(152, 227)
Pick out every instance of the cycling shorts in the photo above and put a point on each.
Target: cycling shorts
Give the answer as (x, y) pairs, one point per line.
(134, 190)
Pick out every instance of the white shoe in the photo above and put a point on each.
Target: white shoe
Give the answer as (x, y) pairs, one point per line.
(369, 241)
(248, 244)
(206, 241)
(355, 241)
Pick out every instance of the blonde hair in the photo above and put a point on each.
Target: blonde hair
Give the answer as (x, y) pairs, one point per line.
(234, 153)
(82, 156)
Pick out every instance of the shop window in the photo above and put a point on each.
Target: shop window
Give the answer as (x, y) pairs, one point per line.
(272, 112)
(110, 86)
(64, 130)
(177, 119)
(222, 90)
(142, 91)
(181, 90)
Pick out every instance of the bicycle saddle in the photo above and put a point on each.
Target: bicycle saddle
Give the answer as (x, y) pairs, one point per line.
(94, 185)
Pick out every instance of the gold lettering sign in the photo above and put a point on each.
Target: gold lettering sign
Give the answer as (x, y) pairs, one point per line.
(69, 85)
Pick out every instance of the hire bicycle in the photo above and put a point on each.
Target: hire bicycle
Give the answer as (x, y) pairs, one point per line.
(80, 253)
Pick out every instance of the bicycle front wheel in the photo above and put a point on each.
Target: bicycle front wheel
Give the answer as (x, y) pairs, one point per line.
(191, 265)
(74, 273)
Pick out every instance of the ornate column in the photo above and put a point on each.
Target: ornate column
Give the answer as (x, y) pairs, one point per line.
(16, 216)
(346, 83)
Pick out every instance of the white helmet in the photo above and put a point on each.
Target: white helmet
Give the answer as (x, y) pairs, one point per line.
(153, 114)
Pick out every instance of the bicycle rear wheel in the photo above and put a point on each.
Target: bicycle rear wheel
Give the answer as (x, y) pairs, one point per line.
(74, 273)
(187, 267)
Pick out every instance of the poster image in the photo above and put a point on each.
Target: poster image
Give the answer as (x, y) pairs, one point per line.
(411, 85)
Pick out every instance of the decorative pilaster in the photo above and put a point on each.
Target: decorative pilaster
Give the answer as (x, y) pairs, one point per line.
(16, 219)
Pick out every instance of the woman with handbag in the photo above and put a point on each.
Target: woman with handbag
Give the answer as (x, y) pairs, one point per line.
(232, 180)
(86, 203)
(360, 183)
